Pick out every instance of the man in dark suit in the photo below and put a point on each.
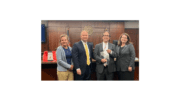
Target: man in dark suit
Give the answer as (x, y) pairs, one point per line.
(82, 52)
(104, 55)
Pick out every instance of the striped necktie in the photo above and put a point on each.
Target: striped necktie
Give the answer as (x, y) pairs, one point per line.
(87, 54)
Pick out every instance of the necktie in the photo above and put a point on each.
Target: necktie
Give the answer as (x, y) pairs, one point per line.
(87, 54)
(105, 64)
(105, 47)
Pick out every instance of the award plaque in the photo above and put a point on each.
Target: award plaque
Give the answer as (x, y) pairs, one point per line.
(50, 56)
(105, 55)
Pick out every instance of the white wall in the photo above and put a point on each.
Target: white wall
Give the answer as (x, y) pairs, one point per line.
(134, 24)
(44, 22)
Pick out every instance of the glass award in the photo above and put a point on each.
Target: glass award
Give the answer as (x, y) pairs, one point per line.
(104, 54)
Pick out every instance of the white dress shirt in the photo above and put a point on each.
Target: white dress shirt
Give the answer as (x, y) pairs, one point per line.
(105, 48)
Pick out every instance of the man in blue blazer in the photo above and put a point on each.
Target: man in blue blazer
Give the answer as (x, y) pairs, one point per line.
(82, 54)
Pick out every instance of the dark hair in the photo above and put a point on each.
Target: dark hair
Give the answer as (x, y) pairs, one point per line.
(109, 35)
(128, 37)
(105, 32)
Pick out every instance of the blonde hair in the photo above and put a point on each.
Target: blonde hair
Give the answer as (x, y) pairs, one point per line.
(84, 31)
(64, 35)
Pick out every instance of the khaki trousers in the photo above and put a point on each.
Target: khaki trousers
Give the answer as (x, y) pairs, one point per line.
(65, 75)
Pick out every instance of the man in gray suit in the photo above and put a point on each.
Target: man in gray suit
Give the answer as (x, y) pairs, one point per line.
(104, 55)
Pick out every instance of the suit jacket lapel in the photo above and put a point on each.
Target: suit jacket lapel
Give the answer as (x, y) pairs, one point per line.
(101, 47)
(89, 49)
(124, 48)
(118, 50)
(109, 47)
(82, 46)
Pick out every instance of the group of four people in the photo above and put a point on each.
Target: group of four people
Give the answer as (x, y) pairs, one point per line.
(79, 58)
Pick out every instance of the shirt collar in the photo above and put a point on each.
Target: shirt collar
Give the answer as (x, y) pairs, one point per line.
(84, 42)
(105, 43)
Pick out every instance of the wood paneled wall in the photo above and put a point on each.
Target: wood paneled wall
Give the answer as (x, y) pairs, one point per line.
(134, 35)
(56, 28)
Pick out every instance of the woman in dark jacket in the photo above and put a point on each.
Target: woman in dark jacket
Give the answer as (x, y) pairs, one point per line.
(125, 58)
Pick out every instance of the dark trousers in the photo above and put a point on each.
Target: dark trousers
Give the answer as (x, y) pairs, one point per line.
(105, 74)
(125, 75)
(84, 76)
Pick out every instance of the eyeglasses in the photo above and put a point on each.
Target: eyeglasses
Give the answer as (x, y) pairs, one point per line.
(106, 35)
(123, 37)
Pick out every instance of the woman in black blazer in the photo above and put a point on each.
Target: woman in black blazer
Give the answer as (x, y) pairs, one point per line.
(125, 58)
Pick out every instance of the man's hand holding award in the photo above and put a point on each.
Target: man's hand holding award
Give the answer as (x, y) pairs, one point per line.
(105, 56)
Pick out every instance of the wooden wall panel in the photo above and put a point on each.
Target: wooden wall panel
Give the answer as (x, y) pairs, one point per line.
(100, 24)
(57, 23)
(96, 36)
(116, 29)
(74, 35)
(54, 37)
(134, 34)
(98, 30)
(74, 24)
(88, 23)
(137, 51)
(56, 28)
